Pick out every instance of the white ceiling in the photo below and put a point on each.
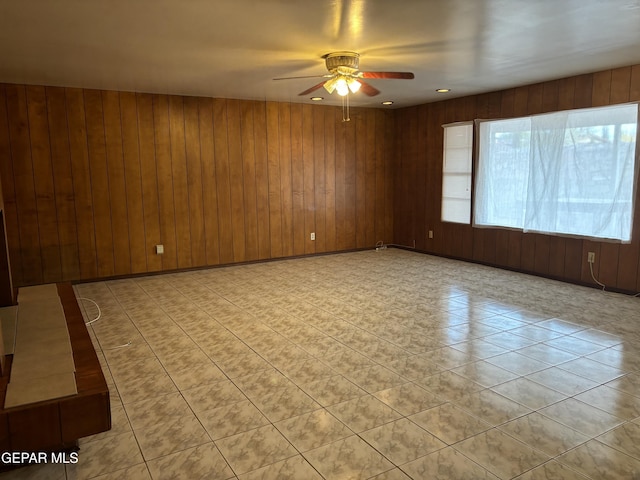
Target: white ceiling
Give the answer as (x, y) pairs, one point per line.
(234, 48)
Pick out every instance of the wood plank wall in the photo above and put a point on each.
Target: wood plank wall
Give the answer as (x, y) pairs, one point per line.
(418, 183)
(93, 180)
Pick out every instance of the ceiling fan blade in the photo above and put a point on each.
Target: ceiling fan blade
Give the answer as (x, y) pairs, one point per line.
(367, 89)
(306, 76)
(400, 75)
(312, 89)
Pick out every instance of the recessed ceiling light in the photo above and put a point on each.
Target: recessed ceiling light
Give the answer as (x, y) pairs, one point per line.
(388, 102)
(317, 99)
(443, 90)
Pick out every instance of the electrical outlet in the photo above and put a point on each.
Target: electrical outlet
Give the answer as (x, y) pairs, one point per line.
(313, 235)
(159, 249)
(591, 257)
(430, 233)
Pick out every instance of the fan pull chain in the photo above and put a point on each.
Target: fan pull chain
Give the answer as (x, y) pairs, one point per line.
(345, 110)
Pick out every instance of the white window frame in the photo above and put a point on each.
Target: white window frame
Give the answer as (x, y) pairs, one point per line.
(457, 165)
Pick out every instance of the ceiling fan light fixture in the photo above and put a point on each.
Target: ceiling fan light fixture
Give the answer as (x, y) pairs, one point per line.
(354, 85)
(330, 85)
(342, 86)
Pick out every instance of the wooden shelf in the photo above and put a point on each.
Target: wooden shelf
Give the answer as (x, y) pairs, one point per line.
(57, 424)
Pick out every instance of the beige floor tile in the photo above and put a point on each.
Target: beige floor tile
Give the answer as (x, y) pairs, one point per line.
(581, 417)
(43, 471)
(562, 381)
(137, 472)
(491, 407)
(552, 470)
(485, 373)
(350, 458)
(544, 434)
(625, 438)
(253, 334)
(172, 435)
(529, 393)
(447, 464)
(293, 468)
(331, 390)
(363, 413)
(402, 441)
(105, 456)
(231, 419)
(204, 461)
(612, 401)
(601, 461)
(408, 398)
(313, 430)
(517, 363)
(449, 423)
(253, 449)
(501, 454)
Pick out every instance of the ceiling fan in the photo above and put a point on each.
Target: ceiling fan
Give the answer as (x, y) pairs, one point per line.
(345, 76)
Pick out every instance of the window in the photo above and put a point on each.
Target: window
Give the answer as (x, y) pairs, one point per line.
(570, 172)
(456, 173)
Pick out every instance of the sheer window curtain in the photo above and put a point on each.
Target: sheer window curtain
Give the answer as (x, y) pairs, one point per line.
(571, 173)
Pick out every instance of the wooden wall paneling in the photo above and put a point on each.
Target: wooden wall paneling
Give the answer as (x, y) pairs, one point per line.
(262, 179)
(63, 183)
(583, 91)
(166, 202)
(79, 152)
(634, 86)
(195, 175)
(209, 181)
(330, 178)
(43, 181)
(273, 158)
(9, 204)
(370, 179)
(390, 149)
(237, 180)
(94, 116)
(297, 180)
(27, 210)
(422, 157)
(180, 181)
(319, 177)
(149, 180)
(361, 179)
(380, 175)
(133, 182)
(286, 188)
(249, 179)
(221, 155)
(341, 175)
(308, 155)
(116, 182)
(404, 221)
(350, 212)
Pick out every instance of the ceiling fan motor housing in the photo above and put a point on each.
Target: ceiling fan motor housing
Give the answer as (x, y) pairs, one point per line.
(342, 60)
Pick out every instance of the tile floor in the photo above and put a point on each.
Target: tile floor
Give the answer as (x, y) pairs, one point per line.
(386, 365)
